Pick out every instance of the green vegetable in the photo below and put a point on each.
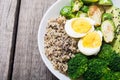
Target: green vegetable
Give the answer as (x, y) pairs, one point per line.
(109, 76)
(107, 16)
(90, 1)
(106, 52)
(105, 2)
(77, 66)
(95, 12)
(81, 14)
(66, 12)
(98, 28)
(116, 44)
(96, 69)
(76, 5)
(85, 8)
(116, 17)
(117, 75)
(114, 64)
(108, 29)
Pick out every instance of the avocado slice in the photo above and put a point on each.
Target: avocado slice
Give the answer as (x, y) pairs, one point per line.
(116, 45)
(116, 17)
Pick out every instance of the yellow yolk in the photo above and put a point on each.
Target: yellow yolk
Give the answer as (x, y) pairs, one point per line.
(81, 25)
(92, 40)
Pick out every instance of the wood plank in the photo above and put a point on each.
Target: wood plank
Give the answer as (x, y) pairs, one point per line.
(8, 9)
(28, 64)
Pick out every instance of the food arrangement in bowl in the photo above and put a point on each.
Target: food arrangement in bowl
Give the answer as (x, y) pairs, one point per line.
(83, 42)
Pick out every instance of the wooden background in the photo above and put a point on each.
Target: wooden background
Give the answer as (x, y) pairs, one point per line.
(19, 55)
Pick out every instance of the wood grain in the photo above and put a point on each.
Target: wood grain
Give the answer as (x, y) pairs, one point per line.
(7, 25)
(28, 64)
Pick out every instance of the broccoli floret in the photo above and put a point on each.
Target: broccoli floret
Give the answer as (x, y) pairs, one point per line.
(77, 66)
(114, 64)
(96, 69)
(106, 52)
(109, 76)
(117, 75)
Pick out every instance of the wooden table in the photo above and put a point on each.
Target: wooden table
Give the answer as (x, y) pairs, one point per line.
(19, 55)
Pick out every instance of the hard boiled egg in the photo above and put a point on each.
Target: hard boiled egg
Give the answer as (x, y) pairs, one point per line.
(91, 43)
(79, 27)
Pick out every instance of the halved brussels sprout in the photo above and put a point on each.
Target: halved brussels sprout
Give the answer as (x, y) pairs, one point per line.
(108, 29)
(95, 13)
(66, 12)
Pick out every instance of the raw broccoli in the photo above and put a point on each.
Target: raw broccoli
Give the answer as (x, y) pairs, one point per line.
(106, 52)
(110, 76)
(114, 64)
(96, 69)
(76, 5)
(77, 66)
(117, 75)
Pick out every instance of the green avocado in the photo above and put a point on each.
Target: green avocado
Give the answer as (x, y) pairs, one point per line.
(116, 16)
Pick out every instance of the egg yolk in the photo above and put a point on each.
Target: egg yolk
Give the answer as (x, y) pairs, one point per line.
(92, 40)
(81, 25)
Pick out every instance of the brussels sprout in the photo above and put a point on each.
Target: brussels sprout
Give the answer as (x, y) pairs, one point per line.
(90, 1)
(105, 2)
(81, 14)
(66, 12)
(107, 28)
(107, 16)
(95, 13)
(76, 5)
(85, 9)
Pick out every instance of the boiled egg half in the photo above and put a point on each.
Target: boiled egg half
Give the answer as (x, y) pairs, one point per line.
(79, 27)
(91, 43)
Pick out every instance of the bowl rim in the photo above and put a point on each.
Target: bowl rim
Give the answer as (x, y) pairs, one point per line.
(54, 72)
(38, 38)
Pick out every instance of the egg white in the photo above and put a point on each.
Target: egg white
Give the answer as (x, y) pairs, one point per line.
(89, 51)
(72, 33)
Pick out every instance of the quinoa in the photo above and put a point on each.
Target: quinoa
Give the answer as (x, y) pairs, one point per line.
(59, 47)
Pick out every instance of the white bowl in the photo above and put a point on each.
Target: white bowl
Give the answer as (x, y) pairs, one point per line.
(53, 12)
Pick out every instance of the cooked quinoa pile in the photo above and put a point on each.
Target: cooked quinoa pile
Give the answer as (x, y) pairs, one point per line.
(59, 47)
